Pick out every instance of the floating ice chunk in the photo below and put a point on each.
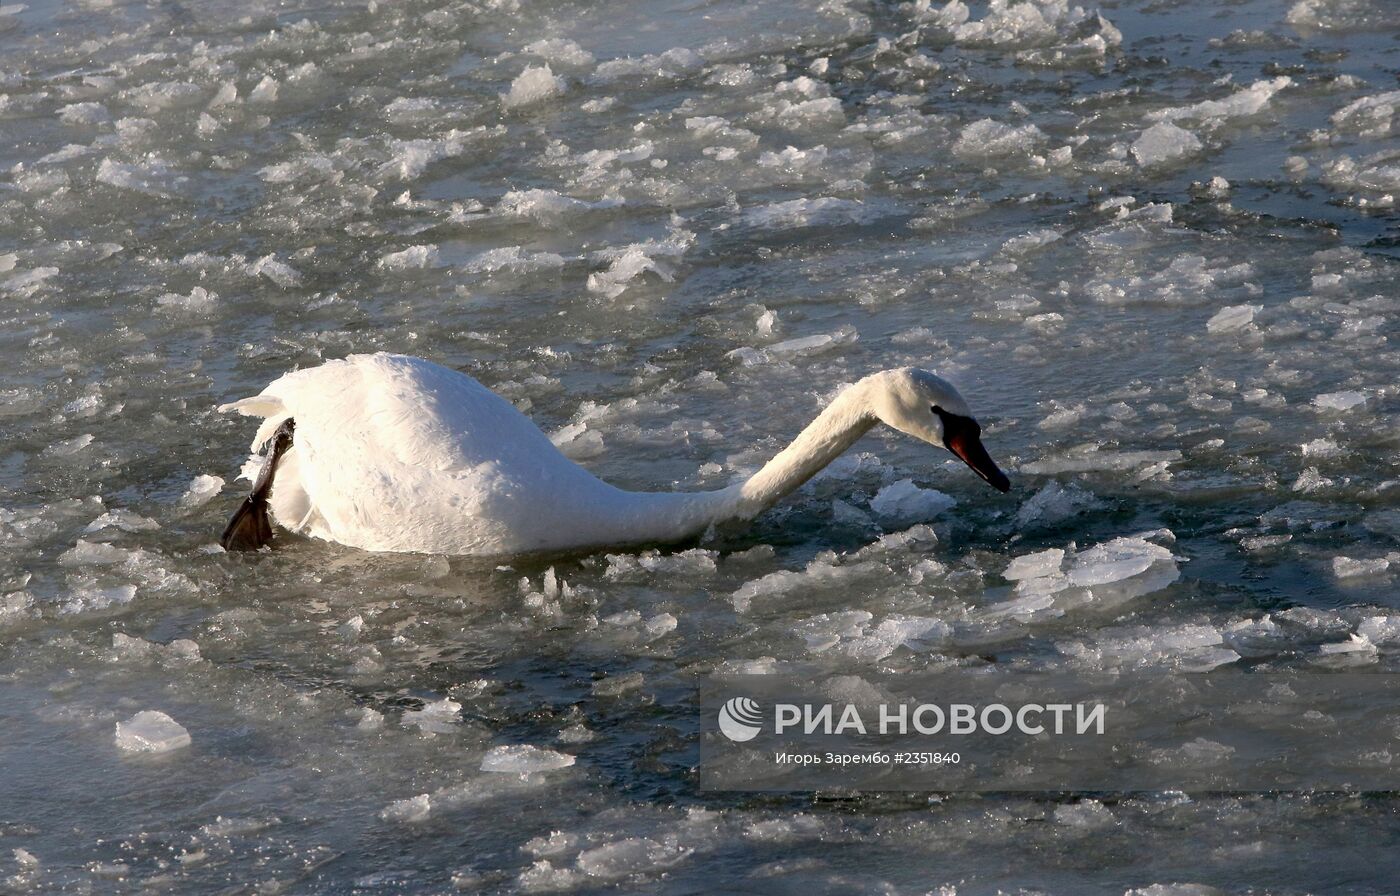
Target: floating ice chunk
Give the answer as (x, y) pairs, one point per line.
(1354, 651)
(820, 573)
(69, 447)
(1218, 188)
(534, 84)
(544, 877)
(410, 158)
(617, 685)
(560, 50)
(557, 843)
(1095, 459)
(1113, 561)
(513, 259)
(412, 258)
(1189, 279)
(694, 562)
(165, 95)
(180, 652)
(625, 268)
(1255, 637)
(903, 502)
(576, 734)
(199, 300)
(823, 211)
(1342, 15)
(1175, 890)
(850, 632)
(1373, 183)
(92, 598)
(1025, 607)
(1053, 583)
(222, 827)
(673, 63)
(408, 109)
(84, 113)
(545, 206)
(1350, 568)
(1311, 480)
(659, 625)
(151, 731)
(806, 345)
(988, 139)
(632, 856)
(1380, 629)
(409, 811)
(1188, 647)
(1193, 753)
(311, 166)
(1371, 116)
(1339, 401)
(1035, 24)
(350, 629)
(15, 605)
(1264, 542)
(1054, 504)
(1034, 566)
(1085, 814)
(1063, 417)
(795, 160)
(628, 263)
(524, 759)
(1240, 104)
(1029, 242)
(155, 176)
(1232, 318)
(577, 442)
(797, 346)
(93, 553)
(437, 717)
(826, 630)
(1164, 142)
(200, 490)
(279, 272)
(264, 92)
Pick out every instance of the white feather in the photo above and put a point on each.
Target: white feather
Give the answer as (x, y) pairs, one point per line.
(393, 453)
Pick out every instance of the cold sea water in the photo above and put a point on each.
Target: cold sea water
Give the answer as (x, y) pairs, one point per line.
(1153, 241)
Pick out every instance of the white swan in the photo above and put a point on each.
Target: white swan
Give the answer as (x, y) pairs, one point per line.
(391, 453)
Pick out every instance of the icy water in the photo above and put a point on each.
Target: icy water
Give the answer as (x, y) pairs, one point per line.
(1153, 242)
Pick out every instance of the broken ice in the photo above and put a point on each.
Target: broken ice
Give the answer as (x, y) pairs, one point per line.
(151, 731)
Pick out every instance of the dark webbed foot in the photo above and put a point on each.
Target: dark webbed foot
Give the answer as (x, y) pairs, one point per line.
(251, 526)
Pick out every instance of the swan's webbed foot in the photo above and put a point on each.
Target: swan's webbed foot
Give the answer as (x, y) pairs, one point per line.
(251, 526)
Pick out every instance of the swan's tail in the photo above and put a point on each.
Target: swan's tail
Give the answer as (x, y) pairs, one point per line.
(269, 407)
(251, 526)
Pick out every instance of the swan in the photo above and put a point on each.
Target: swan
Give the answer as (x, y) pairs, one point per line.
(387, 452)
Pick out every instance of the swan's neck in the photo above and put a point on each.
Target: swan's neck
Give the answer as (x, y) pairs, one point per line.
(837, 428)
(662, 516)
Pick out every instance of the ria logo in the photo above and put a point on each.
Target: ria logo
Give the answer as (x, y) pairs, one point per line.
(740, 719)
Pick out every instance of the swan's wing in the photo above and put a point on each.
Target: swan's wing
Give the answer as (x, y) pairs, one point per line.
(397, 453)
(417, 412)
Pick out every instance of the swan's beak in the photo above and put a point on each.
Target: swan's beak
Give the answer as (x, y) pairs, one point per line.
(963, 437)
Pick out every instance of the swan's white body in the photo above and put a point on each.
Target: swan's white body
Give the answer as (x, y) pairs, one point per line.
(394, 453)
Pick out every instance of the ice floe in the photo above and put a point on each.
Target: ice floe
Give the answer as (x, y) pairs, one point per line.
(151, 731)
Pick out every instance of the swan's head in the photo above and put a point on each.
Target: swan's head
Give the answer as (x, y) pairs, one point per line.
(927, 407)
